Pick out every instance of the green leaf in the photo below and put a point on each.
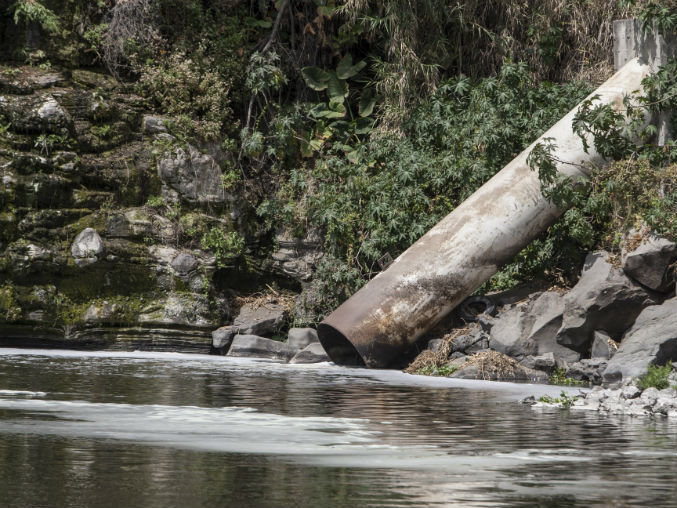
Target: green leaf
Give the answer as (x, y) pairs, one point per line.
(346, 69)
(337, 88)
(315, 78)
(258, 23)
(367, 102)
(364, 125)
(333, 110)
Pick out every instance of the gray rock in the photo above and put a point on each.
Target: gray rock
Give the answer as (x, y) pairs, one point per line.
(649, 398)
(530, 328)
(545, 362)
(36, 114)
(434, 345)
(471, 343)
(312, 353)
(509, 332)
(587, 370)
(194, 176)
(87, 247)
(652, 339)
(222, 338)
(153, 124)
(486, 322)
(184, 263)
(666, 401)
(649, 263)
(260, 347)
(603, 346)
(603, 299)
(263, 320)
(301, 337)
(630, 392)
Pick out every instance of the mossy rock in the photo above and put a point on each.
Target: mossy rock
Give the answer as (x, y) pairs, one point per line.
(89, 79)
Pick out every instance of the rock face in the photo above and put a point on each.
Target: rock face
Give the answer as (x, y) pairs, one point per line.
(84, 262)
(530, 329)
(260, 347)
(652, 339)
(263, 320)
(649, 262)
(302, 337)
(312, 353)
(603, 299)
(191, 176)
(298, 257)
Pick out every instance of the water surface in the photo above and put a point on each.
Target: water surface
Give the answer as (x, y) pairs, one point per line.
(170, 430)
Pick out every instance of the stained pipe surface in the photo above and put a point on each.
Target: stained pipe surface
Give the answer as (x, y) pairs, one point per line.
(447, 264)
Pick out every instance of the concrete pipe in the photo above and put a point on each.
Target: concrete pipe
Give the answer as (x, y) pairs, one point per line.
(384, 318)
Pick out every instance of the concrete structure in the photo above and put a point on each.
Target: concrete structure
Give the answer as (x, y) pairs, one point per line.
(384, 318)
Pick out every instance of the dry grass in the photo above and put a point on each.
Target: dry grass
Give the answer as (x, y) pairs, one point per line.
(495, 365)
(266, 299)
(439, 358)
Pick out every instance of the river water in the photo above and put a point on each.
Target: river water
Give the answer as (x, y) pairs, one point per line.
(95, 429)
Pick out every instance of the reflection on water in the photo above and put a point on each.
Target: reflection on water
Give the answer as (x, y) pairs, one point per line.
(163, 430)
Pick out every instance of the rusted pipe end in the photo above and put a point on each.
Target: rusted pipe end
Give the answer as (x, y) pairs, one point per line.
(338, 347)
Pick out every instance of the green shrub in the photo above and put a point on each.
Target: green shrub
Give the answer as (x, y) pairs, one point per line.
(656, 377)
(189, 89)
(225, 246)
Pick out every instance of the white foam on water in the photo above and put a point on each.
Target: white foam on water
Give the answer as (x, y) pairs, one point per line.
(25, 393)
(325, 441)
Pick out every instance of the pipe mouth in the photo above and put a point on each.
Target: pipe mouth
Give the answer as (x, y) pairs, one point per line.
(338, 347)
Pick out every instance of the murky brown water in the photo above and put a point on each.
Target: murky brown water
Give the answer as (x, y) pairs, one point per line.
(170, 430)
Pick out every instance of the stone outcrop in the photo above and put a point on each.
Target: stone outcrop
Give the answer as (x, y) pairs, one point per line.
(649, 263)
(260, 347)
(312, 353)
(530, 329)
(189, 175)
(263, 320)
(603, 299)
(651, 340)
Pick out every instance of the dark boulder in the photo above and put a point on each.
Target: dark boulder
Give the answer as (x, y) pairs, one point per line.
(651, 340)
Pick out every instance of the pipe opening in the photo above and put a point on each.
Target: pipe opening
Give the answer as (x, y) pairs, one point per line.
(338, 347)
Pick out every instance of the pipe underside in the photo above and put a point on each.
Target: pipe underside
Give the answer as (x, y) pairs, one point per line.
(447, 264)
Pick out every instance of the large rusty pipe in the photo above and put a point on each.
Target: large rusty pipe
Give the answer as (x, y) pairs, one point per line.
(447, 264)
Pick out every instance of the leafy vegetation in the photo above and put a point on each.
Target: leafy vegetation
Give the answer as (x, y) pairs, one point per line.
(565, 400)
(28, 11)
(559, 377)
(655, 377)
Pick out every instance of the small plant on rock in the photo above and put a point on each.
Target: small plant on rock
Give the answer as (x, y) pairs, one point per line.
(564, 399)
(655, 377)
